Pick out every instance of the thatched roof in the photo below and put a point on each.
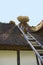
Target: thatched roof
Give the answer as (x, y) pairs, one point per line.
(15, 39)
(38, 27)
(12, 38)
(23, 19)
(13, 32)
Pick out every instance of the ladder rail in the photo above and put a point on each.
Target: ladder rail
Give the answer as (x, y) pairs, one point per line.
(31, 44)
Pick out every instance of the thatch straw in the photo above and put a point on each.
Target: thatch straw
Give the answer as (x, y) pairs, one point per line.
(38, 27)
(23, 19)
(12, 22)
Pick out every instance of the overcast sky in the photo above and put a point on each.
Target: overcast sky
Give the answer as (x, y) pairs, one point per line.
(11, 9)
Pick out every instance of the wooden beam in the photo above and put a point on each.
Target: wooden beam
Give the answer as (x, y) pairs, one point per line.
(37, 60)
(18, 57)
(15, 47)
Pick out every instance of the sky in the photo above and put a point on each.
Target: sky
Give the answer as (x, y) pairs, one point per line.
(11, 9)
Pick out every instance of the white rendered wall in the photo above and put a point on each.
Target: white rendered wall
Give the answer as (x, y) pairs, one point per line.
(10, 58)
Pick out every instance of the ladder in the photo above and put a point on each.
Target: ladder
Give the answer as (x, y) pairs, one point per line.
(35, 45)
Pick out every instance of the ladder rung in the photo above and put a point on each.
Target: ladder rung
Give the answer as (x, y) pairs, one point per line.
(31, 39)
(42, 57)
(33, 42)
(36, 45)
(37, 48)
(29, 36)
(40, 51)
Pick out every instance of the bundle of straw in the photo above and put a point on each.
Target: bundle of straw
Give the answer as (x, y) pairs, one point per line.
(23, 19)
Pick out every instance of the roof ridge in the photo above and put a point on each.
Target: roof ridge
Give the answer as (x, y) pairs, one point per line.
(36, 28)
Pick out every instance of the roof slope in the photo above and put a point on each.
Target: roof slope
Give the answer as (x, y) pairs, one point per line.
(12, 37)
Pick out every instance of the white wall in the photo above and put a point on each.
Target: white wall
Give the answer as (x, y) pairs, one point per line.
(28, 58)
(10, 58)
